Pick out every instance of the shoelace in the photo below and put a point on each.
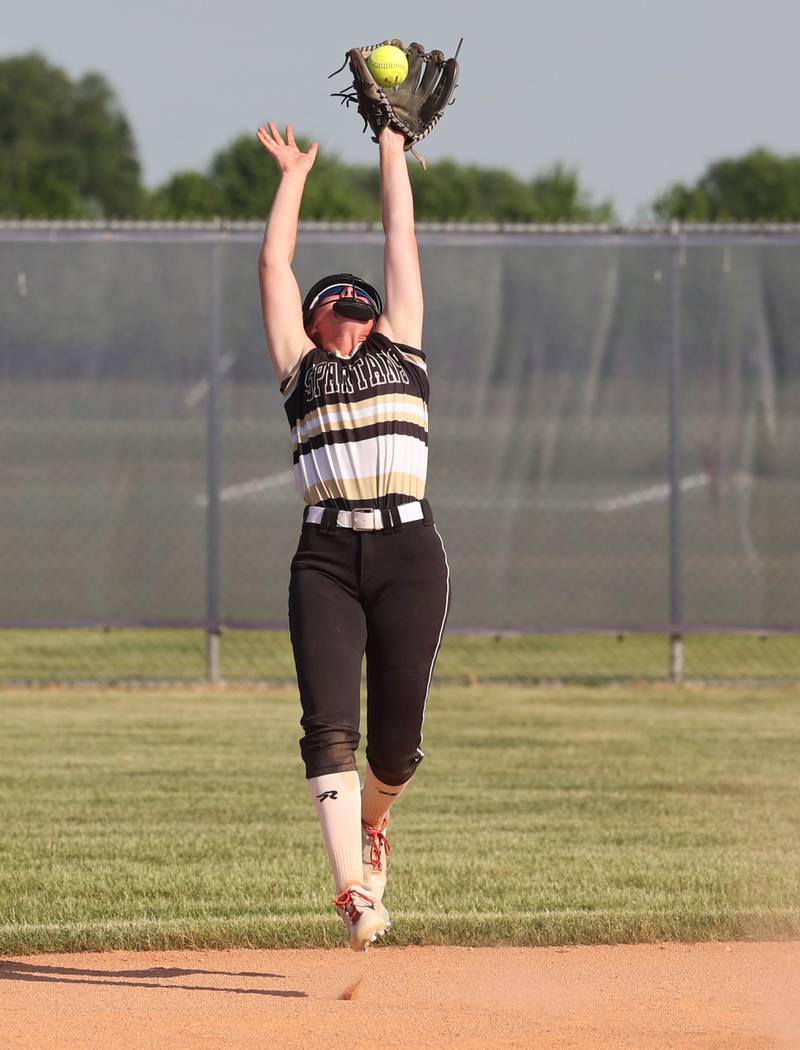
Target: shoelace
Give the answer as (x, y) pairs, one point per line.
(346, 902)
(378, 841)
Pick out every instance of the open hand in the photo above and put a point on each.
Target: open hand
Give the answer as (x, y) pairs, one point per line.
(286, 154)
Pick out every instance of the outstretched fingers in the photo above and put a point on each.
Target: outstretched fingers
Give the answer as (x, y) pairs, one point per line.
(287, 155)
(273, 130)
(264, 138)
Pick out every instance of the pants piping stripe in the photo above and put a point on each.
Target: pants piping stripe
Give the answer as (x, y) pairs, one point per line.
(439, 642)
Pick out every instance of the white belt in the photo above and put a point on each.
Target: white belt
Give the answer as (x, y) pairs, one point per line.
(366, 519)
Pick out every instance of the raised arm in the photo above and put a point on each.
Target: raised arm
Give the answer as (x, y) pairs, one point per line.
(281, 303)
(402, 318)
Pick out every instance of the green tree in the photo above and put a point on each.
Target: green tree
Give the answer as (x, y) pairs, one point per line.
(187, 195)
(448, 191)
(111, 177)
(341, 192)
(242, 180)
(66, 148)
(246, 179)
(560, 197)
(758, 187)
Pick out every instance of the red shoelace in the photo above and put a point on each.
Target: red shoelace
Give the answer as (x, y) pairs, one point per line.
(345, 901)
(378, 841)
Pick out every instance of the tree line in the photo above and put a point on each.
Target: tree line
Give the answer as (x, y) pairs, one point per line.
(67, 151)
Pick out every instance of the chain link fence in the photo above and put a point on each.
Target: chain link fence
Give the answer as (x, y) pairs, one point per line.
(615, 418)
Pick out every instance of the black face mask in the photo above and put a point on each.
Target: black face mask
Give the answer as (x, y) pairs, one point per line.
(354, 309)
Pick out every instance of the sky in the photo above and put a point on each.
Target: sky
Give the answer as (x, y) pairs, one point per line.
(635, 94)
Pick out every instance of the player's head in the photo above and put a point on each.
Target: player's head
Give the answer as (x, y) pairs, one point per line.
(341, 296)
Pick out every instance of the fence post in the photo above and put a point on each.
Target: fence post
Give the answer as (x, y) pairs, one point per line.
(678, 259)
(213, 468)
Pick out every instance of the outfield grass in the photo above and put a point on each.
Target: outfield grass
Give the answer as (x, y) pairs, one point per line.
(137, 655)
(540, 816)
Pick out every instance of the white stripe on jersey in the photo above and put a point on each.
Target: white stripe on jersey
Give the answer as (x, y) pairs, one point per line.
(349, 460)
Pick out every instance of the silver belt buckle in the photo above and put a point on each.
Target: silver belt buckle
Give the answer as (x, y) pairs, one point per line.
(363, 519)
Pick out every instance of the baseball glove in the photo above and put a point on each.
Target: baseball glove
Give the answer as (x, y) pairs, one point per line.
(413, 107)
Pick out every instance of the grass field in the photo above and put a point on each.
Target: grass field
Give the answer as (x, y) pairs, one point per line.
(540, 816)
(139, 655)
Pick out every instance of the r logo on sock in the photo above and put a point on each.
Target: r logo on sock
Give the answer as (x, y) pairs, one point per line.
(328, 794)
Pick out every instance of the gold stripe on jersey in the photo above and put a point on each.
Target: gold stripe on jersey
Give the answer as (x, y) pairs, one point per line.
(365, 488)
(414, 359)
(332, 409)
(342, 416)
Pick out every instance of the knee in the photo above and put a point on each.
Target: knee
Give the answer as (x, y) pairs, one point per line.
(393, 768)
(328, 750)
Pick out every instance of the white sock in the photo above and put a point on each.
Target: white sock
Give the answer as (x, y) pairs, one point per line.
(378, 798)
(337, 799)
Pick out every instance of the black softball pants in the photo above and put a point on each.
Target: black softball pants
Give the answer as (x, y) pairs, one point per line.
(385, 594)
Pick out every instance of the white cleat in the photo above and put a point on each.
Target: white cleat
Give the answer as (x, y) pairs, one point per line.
(364, 918)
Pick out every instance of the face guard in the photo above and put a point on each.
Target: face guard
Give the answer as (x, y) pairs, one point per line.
(364, 305)
(357, 308)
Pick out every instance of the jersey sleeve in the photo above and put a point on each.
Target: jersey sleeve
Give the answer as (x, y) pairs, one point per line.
(288, 384)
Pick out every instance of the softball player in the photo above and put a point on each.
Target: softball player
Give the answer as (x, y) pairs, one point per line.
(370, 574)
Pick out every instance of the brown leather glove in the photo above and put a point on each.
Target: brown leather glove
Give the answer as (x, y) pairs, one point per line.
(413, 107)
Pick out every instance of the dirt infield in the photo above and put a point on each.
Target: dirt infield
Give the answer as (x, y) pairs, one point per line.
(739, 995)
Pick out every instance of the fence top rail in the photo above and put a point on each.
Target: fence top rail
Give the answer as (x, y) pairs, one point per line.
(461, 235)
(223, 226)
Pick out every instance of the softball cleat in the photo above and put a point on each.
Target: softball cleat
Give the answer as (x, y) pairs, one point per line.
(364, 917)
(375, 849)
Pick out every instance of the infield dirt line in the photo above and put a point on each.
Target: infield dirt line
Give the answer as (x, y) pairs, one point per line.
(325, 919)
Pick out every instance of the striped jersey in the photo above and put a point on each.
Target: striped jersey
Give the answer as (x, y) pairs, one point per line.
(359, 425)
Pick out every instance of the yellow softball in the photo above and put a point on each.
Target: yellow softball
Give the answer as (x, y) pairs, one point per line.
(388, 65)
